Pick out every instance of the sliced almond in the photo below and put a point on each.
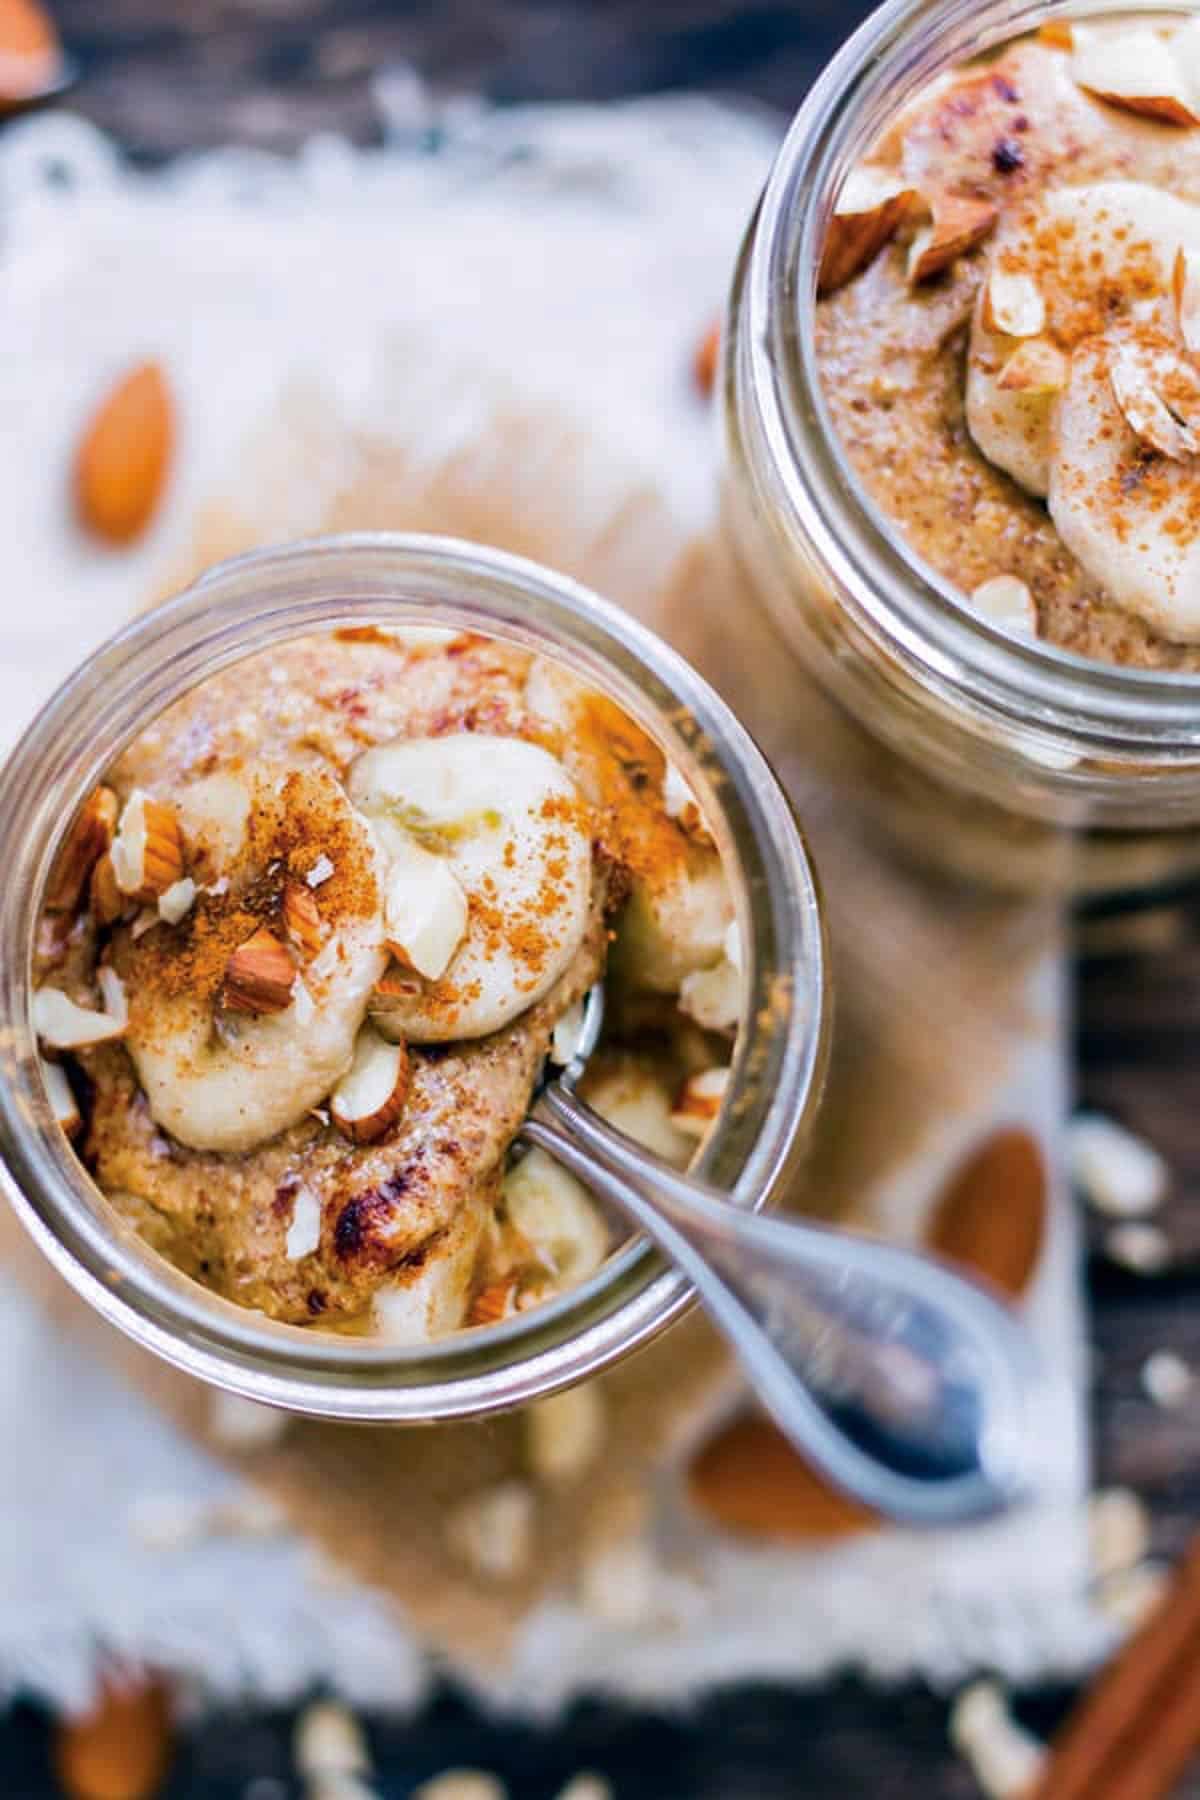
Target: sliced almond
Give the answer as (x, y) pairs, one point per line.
(1013, 304)
(704, 362)
(1137, 71)
(425, 913)
(147, 851)
(496, 1301)
(105, 897)
(62, 1024)
(699, 1101)
(124, 456)
(31, 59)
(749, 1480)
(259, 976)
(61, 1098)
(304, 1232)
(370, 1097)
(1185, 288)
(87, 841)
(871, 206)
(302, 919)
(991, 1216)
(1159, 398)
(178, 901)
(1037, 367)
(121, 1749)
(959, 224)
(1006, 601)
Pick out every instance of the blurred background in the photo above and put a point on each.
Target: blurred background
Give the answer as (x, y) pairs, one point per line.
(170, 77)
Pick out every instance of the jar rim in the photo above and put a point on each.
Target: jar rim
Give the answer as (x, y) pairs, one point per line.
(270, 596)
(904, 606)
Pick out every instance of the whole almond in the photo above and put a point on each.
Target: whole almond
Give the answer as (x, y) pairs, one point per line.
(124, 456)
(31, 61)
(749, 1480)
(121, 1750)
(991, 1216)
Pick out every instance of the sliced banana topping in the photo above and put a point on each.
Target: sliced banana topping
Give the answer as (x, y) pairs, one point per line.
(1128, 510)
(1092, 253)
(1099, 410)
(235, 1036)
(489, 885)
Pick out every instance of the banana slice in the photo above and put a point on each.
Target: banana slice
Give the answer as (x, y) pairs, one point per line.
(217, 1080)
(679, 905)
(1123, 502)
(557, 1215)
(432, 1297)
(1090, 255)
(490, 880)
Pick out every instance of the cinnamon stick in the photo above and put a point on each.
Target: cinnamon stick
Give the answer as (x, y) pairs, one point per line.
(1136, 1730)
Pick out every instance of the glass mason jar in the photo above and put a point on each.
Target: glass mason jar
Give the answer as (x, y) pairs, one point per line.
(244, 607)
(1007, 761)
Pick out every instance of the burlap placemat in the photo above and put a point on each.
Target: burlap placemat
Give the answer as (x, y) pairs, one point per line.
(950, 1014)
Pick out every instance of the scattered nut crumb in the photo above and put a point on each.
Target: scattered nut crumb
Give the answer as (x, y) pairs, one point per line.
(320, 872)
(1118, 1173)
(171, 1522)
(1007, 602)
(1143, 1248)
(1005, 1758)
(492, 1531)
(564, 1434)
(239, 1424)
(330, 1741)
(1127, 1598)
(587, 1786)
(462, 1784)
(1118, 1531)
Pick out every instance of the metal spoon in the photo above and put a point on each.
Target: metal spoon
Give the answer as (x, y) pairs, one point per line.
(912, 1388)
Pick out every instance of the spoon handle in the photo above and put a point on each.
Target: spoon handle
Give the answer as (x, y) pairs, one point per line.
(910, 1387)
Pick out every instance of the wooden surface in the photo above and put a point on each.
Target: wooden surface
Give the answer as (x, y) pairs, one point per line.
(168, 75)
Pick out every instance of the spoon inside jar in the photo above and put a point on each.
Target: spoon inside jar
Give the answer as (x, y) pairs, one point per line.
(911, 1387)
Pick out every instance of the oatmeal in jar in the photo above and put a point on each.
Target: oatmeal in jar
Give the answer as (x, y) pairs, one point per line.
(305, 953)
(1009, 335)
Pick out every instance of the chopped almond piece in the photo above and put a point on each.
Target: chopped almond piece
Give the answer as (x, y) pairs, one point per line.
(1037, 367)
(1159, 398)
(1013, 304)
(124, 456)
(1185, 288)
(1006, 600)
(1138, 71)
(87, 841)
(494, 1302)
(699, 1101)
(147, 852)
(302, 919)
(871, 206)
(105, 897)
(959, 224)
(370, 1097)
(61, 1098)
(259, 976)
(62, 1024)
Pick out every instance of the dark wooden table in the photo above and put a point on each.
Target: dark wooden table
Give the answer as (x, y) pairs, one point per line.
(170, 75)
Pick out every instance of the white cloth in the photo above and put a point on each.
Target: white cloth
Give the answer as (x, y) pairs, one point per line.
(574, 255)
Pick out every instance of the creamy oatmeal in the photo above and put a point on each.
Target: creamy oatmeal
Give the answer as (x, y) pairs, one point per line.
(1009, 334)
(306, 951)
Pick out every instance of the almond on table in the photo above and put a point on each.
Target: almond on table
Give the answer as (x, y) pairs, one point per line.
(31, 58)
(124, 456)
(307, 994)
